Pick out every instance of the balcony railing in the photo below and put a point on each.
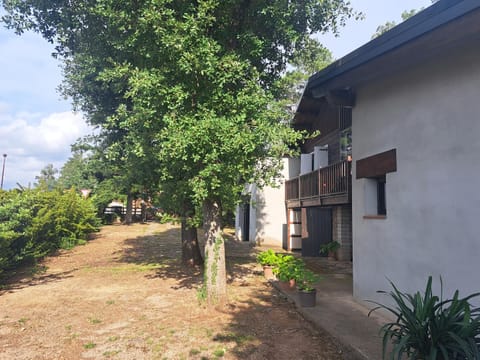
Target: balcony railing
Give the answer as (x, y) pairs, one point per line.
(332, 180)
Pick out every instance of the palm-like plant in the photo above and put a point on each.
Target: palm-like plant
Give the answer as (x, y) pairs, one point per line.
(430, 328)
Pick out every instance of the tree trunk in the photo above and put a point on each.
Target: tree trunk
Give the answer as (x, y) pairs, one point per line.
(215, 274)
(128, 212)
(190, 247)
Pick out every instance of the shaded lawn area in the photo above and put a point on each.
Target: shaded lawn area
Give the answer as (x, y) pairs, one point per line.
(125, 295)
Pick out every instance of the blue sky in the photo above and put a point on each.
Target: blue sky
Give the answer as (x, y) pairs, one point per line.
(37, 126)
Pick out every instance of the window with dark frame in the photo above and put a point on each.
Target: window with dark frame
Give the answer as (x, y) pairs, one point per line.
(374, 170)
(381, 198)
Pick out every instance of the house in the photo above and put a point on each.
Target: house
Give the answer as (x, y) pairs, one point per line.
(312, 204)
(410, 97)
(261, 219)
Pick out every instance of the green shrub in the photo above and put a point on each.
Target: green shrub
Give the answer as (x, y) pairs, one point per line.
(428, 327)
(288, 267)
(330, 247)
(35, 222)
(306, 280)
(16, 215)
(268, 258)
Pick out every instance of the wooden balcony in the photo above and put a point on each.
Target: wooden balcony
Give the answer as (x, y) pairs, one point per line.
(330, 185)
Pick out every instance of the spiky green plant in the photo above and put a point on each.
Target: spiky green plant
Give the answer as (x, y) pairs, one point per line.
(430, 328)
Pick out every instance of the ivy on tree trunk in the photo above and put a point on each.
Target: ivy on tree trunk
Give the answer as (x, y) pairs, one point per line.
(215, 275)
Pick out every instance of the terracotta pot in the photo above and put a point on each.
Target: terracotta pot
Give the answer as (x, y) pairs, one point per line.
(287, 285)
(268, 272)
(307, 298)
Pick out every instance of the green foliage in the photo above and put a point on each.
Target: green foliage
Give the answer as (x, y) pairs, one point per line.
(46, 179)
(34, 223)
(330, 247)
(78, 172)
(306, 279)
(184, 91)
(406, 14)
(183, 94)
(288, 267)
(428, 327)
(268, 258)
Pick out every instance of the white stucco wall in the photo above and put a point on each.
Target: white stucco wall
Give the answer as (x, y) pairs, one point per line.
(268, 217)
(270, 211)
(431, 115)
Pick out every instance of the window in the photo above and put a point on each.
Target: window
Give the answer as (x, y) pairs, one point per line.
(374, 170)
(375, 199)
(381, 198)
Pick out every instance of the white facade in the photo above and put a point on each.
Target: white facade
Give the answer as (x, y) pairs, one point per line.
(267, 212)
(429, 113)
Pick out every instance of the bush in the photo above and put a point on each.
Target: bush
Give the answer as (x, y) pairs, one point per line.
(34, 223)
(330, 247)
(268, 258)
(428, 327)
(306, 280)
(288, 268)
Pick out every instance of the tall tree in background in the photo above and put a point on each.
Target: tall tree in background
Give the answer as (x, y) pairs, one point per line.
(187, 87)
(407, 14)
(311, 58)
(47, 179)
(76, 172)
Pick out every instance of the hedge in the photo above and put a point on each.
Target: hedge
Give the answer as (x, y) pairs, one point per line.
(34, 223)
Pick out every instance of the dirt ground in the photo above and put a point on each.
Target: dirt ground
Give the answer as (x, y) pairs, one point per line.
(125, 295)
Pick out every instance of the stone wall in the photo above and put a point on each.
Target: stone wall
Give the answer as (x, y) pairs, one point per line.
(342, 231)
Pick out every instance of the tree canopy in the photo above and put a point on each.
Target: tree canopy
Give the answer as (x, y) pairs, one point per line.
(184, 91)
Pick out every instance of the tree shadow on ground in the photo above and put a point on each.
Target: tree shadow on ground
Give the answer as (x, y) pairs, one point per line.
(31, 275)
(162, 252)
(262, 323)
(266, 325)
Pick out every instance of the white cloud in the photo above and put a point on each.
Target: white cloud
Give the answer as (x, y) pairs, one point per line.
(31, 142)
(35, 127)
(29, 74)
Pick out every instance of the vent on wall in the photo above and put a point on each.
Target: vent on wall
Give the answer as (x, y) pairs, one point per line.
(344, 117)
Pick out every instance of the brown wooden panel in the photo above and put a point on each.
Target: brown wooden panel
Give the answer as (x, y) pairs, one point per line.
(292, 204)
(304, 223)
(377, 165)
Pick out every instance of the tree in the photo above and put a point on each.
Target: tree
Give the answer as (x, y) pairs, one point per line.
(406, 14)
(311, 58)
(187, 87)
(46, 179)
(76, 173)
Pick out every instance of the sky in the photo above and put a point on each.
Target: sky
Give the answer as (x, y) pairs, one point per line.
(37, 126)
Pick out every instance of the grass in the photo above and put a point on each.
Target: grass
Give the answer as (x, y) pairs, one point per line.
(219, 353)
(38, 269)
(194, 352)
(133, 268)
(111, 353)
(239, 339)
(89, 345)
(94, 321)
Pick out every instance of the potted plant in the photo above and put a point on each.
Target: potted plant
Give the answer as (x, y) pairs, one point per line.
(330, 249)
(287, 271)
(307, 294)
(268, 259)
